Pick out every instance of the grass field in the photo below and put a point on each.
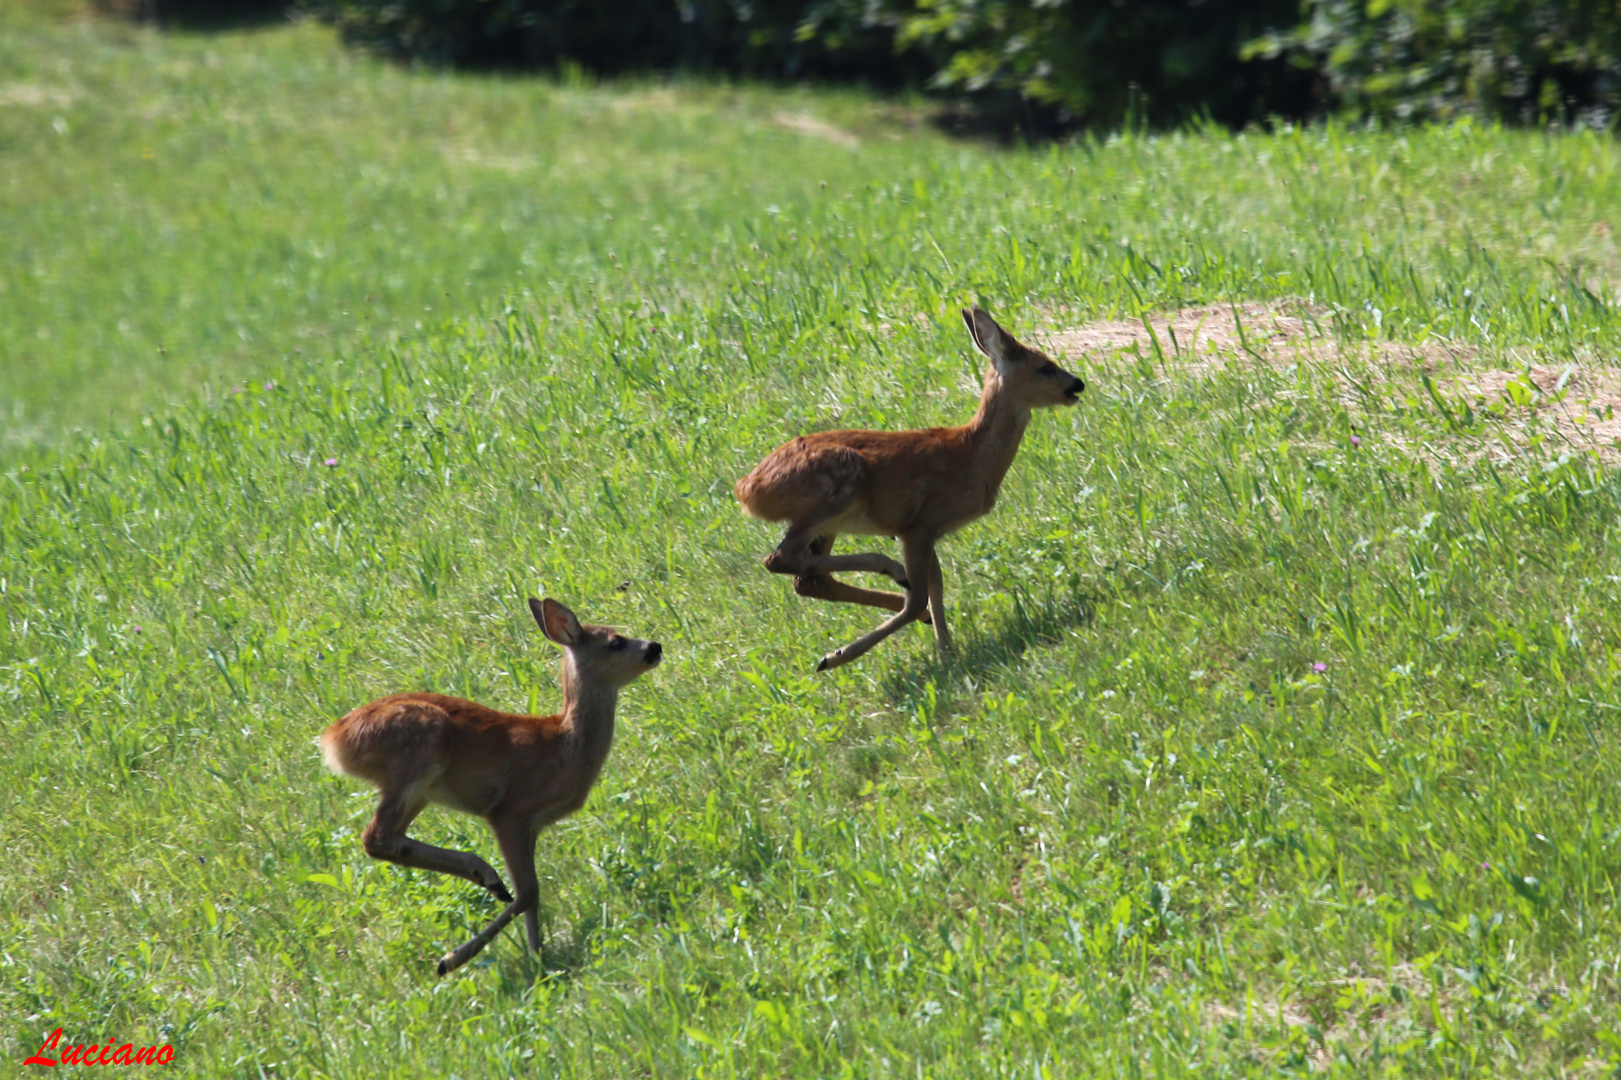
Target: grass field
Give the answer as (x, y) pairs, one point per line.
(1283, 737)
(185, 210)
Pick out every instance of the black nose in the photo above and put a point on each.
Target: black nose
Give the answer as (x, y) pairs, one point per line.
(1080, 385)
(655, 652)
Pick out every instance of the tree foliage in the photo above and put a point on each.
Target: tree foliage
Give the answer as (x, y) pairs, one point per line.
(1107, 61)
(1091, 62)
(772, 38)
(1512, 60)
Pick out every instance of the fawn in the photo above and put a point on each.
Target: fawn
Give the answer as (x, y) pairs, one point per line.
(519, 773)
(916, 486)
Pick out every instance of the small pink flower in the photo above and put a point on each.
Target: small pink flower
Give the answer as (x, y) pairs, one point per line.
(332, 463)
(1319, 667)
(1355, 441)
(137, 629)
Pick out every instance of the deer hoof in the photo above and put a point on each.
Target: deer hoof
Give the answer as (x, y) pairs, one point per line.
(443, 966)
(500, 892)
(821, 665)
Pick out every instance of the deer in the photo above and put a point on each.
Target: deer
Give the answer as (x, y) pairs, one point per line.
(519, 773)
(915, 486)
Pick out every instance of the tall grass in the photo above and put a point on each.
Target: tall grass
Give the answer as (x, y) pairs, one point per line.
(1268, 750)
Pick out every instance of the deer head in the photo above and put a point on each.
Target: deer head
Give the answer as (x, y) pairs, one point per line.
(1026, 374)
(598, 655)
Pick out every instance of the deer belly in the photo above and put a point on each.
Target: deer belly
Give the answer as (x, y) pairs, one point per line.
(858, 522)
(968, 519)
(469, 798)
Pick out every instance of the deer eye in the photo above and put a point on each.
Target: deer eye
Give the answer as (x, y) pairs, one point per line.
(1048, 369)
(616, 643)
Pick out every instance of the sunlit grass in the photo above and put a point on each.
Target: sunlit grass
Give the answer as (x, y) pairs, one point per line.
(1268, 749)
(182, 210)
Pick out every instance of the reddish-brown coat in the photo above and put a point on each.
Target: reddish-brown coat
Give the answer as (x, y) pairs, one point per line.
(484, 762)
(916, 486)
(519, 773)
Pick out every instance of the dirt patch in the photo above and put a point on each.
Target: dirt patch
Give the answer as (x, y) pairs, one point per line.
(1351, 1011)
(1348, 1015)
(806, 124)
(1196, 333)
(1201, 338)
(470, 155)
(1581, 404)
(661, 99)
(30, 95)
(1572, 405)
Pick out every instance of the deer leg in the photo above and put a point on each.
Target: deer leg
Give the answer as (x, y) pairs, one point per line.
(827, 587)
(797, 555)
(869, 562)
(385, 839)
(518, 849)
(824, 586)
(531, 925)
(937, 606)
(917, 555)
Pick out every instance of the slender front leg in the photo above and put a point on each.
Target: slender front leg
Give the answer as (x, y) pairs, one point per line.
(475, 944)
(531, 924)
(870, 562)
(937, 606)
(801, 553)
(828, 587)
(824, 586)
(917, 554)
(385, 839)
(518, 849)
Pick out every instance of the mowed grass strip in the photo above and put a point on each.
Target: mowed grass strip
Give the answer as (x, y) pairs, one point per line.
(1283, 737)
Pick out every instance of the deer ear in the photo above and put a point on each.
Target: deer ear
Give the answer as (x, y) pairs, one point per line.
(556, 621)
(989, 338)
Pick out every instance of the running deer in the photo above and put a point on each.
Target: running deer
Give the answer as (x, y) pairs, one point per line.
(916, 486)
(519, 773)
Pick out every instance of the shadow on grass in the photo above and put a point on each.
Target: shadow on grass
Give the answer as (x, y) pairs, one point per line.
(1000, 122)
(559, 960)
(1032, 621)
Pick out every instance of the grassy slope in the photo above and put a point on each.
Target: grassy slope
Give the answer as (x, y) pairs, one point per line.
(1130, 825)
(180, 209)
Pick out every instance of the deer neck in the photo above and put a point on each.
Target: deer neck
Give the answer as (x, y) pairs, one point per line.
(588, 709)
(996, 430)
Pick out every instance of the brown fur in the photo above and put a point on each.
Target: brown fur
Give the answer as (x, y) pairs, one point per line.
(519, 773)
(917, 486)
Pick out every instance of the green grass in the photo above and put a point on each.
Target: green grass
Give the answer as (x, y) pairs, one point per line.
(1131, 831)
(184, 209)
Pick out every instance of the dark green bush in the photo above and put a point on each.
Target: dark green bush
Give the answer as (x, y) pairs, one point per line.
(1092, 61)
(196, 14)
(1519, 61)
(771, 38)
(1107, 61)
(1076, 62)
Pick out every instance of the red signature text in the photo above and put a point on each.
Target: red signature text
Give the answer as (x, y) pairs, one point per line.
(111, 1054)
